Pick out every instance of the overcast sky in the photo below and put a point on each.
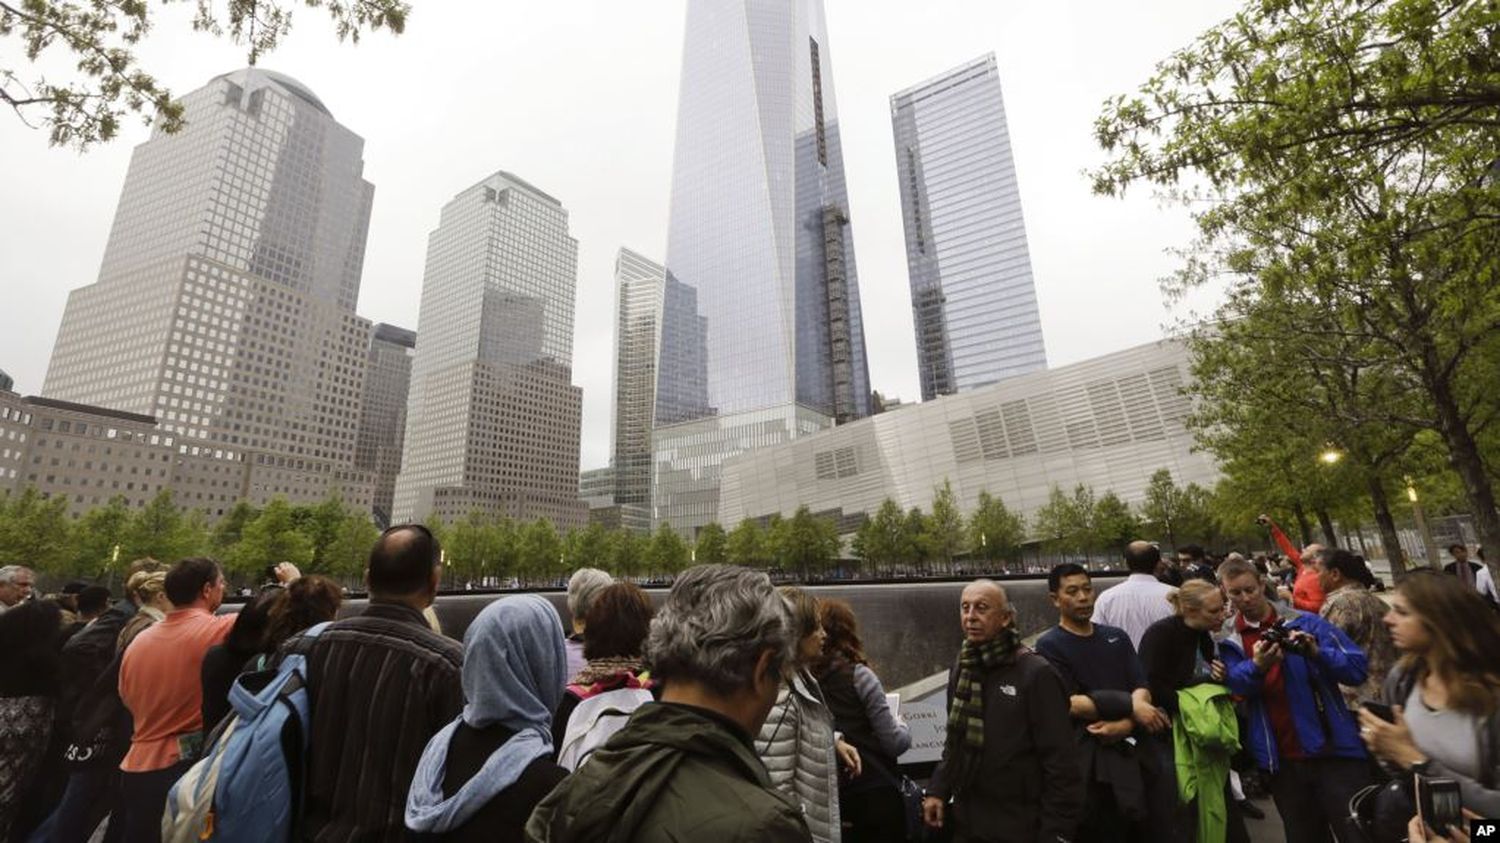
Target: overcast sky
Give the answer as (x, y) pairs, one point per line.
(579, 97)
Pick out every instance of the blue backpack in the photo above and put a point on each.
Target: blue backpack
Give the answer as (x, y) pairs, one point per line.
(247, 786)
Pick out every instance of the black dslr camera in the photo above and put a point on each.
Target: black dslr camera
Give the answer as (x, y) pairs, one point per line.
(1289, 641)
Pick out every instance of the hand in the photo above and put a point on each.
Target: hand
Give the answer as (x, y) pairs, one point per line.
(1418, 832)
(932, 812)
(1262, 519)
(850, 756)
(1217, 671)
(1151, 718)
(1390, 742)
(1284, 593)
(1309, 643)
(1111, 731)
(286, 572)
(1266, 655)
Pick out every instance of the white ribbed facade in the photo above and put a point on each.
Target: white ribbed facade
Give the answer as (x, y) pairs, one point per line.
(1109, 423)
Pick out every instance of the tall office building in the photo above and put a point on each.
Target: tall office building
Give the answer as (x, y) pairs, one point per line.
(972, 295)
(225, 302)
(494, 420)
(382, 423)
(639, 284)
(761, 336)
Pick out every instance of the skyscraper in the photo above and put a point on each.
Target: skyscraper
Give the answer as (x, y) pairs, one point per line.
(225, 301)
(761, 335)
(972, 295)
(382, 423)
(493, 419)
(639, 284)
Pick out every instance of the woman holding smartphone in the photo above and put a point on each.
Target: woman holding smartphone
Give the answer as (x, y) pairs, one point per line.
(1444, 692)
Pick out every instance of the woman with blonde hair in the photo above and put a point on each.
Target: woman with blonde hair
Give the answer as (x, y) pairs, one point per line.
(148, 589)
(1444, 692)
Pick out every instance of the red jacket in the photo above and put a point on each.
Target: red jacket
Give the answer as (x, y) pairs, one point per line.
(1307, 591)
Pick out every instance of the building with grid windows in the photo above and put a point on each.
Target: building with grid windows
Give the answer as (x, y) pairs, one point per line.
(761, 335)
(493, 419)
(972, 295)
(638, 283)
(224, 307)
(1109, 423)
(382, 419)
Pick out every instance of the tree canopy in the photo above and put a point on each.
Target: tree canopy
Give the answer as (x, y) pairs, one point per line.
(99, 38)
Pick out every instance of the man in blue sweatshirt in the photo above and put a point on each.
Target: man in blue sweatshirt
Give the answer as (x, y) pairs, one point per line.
(1287, 665)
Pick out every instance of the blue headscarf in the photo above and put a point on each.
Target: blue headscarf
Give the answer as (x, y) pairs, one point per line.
(515, 667)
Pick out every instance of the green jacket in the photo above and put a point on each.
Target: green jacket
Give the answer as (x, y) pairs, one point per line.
(1204, 737)
(673, 773)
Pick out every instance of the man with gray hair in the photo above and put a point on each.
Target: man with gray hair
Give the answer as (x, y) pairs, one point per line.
(1011, 767)
(15, 586)
(685, 768)
(583, 587)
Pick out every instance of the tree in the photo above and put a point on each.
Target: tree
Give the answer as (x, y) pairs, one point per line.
(587, 548)
(945, 527)
(669, 553)
(712, 546)
(1347, 150)
(99, 38)
(627, 553)
(1114, 525)
(805, 543)
(95, 536)
(474, 547)
(34, 530)
(541, 550)
(883, 541)
(746, 545)
(159, 530)
(1164, 507)
(321, 524)
(1066, 522)
(349, 552)
(268, 540)
(226, 534)
(995, 533)
(915, 548)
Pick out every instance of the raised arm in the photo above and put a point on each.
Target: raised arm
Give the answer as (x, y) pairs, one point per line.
(894, 736)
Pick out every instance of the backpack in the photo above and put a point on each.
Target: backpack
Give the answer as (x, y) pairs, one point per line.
(248, 784)
(595, 721)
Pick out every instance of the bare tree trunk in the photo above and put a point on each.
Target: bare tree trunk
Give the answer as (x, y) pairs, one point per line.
(1463, 455)
(1303, 526)
(1387, 525)
(1326, 523)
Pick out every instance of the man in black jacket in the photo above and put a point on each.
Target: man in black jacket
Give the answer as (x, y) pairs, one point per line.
(1128, 795)
(1010, 766)
(380, 685)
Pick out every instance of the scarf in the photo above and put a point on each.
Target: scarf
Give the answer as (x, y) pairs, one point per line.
(513, 671)
(600, 670)
(965, 742)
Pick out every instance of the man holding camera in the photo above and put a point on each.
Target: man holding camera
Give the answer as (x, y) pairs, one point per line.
(1288, 665)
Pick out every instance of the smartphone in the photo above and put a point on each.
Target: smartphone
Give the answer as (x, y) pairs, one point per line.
(1439, 803)
(1379, 709)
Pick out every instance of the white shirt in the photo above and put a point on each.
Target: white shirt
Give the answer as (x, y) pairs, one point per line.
(1133, 605)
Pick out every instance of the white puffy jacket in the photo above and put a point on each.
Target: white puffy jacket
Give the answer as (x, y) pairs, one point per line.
(796, 745)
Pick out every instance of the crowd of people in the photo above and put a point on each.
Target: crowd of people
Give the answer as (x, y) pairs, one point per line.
(741, 712)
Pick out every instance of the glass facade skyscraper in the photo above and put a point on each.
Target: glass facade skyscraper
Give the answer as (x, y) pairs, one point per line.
(761, 334)
(638, 282)
(225, 301)
(493, 419)
(973, 298)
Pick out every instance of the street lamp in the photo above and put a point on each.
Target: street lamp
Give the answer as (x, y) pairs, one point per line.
(1429, 545)
(1331, 456)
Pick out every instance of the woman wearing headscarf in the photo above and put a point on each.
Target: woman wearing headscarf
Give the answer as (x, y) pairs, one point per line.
(481, 776)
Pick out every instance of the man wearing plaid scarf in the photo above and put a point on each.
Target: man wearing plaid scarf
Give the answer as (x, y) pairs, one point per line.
(1010, 771)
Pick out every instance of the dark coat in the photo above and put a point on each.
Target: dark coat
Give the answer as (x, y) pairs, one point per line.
(1029, 786)
(380, 684)
(674, 773)
(503, 818)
